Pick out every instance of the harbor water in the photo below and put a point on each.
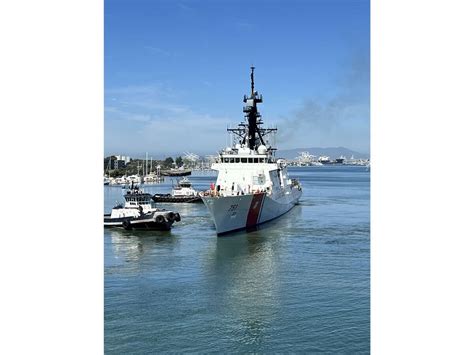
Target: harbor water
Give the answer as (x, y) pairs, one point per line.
(300, 283)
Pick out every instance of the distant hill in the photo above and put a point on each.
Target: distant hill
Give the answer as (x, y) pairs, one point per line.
(332, 152)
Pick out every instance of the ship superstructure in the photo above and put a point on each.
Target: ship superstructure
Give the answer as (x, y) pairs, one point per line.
(252, 185)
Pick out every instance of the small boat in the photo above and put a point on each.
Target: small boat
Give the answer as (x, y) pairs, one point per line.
(184, 192)
(340, 160)
(323, 159)
(140, 212)
(136, 179)
(119, 181)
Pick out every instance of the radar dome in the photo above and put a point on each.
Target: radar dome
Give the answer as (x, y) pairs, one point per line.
(261, 149)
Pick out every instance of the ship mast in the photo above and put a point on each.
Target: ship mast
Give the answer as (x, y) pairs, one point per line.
(250, 132)
(251, 112)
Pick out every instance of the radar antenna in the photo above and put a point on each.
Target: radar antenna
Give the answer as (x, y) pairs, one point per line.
(250, 133)
(251, 80)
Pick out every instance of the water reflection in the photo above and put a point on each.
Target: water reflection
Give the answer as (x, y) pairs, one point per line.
(133, 245)
(245, 281)
(244, 277)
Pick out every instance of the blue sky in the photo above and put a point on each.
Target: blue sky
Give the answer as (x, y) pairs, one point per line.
(176, 72)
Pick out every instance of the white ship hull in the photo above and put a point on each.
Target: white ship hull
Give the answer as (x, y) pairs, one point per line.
(231, 213)
(253, 186)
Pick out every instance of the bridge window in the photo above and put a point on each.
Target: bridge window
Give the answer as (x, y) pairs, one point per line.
(244, 160)
(237, 160)
(226, 160)
(261, 160)
(231, 160)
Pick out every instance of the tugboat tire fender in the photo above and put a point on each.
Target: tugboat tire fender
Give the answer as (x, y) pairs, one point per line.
(126, 225)
(171, 217)
(160, 219)
(177, 217)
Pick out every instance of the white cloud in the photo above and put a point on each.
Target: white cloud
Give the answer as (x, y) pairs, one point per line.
(154, 123)
(160, 51)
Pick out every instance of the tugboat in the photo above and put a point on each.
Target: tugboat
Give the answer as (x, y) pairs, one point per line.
(323, 159)
(252, 186)
(340, 160)
(140, 212)
(184, 192)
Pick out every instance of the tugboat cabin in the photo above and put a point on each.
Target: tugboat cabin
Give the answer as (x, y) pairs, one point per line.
(133, 200)
(184, 183)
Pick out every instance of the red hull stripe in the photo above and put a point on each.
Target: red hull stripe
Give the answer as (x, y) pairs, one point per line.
(254, 209)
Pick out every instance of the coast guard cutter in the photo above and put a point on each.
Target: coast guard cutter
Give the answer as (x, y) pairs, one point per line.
(252, 185)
